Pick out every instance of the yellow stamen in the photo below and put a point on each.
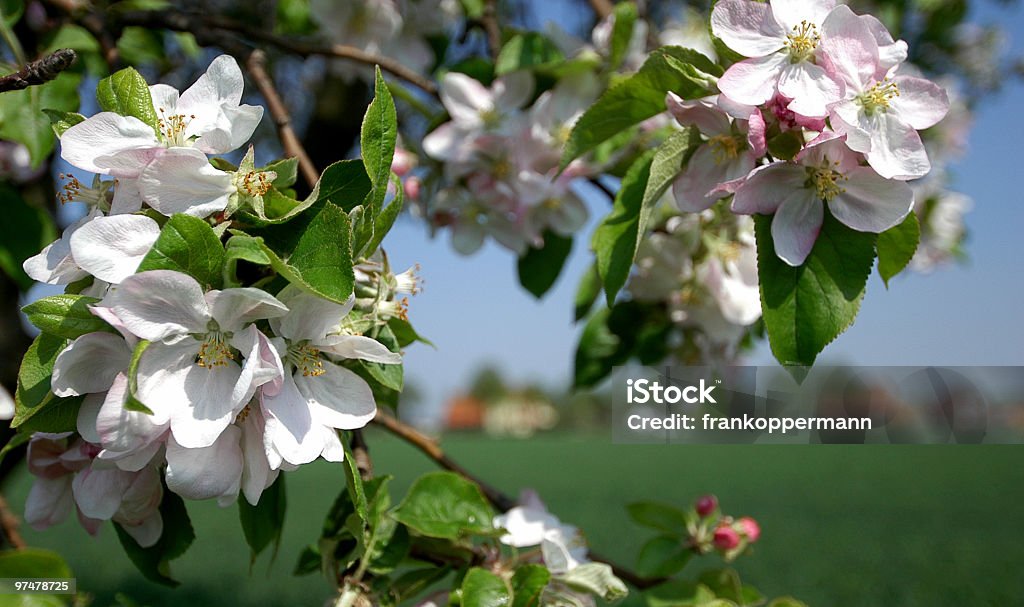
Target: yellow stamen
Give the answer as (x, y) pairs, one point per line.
(172, 128)
(826, 180)
(214, 352)
(724, 148)
(307, 359)
(879, 97)
(802, 42)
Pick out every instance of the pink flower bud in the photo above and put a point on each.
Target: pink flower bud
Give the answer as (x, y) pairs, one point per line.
(726, 538)
(706, 504)
(412, 188)
(750, 528)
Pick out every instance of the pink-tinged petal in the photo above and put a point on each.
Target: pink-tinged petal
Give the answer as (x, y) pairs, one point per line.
(810, 87)
(896, 149)
(702, 113)
(182, 180)
(233, 309)
(767, 186)
(291, 432)
(791, 13)
(871, 203)
(464, 98)
(359, 347)
(737, 110)
(256, 472)
(98, 491)
(848, 48)
(109, 144)
(122, 431)
(921, 103)
(44, 457)
(159, 304)
(91, 525)
(339, 398)
(142, 497)
(512, 91)
(847, 118)
(85, 423)
(891, 52)
(753, 81)
(447, 142)
(702, 174)
(49, 502)
(209, 472)
(147, 532)
(747, 27)
(261, 366)
(127, 198)
(828, 148)
(567, 217)
(208, 404)
(796, 225)
(756, 130)
(111, 248)
(309, 317)
(89, 364)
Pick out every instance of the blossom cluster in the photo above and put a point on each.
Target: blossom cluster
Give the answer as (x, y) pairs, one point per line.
(501, 159)
(207, 392)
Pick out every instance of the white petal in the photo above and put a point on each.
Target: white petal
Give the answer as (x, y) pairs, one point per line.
(700, 112)
(98, 491)
(464, 98)
(127, 198)
(159, 304)
(233, 309)
(753, 81)
(182, 180)
(262, 365)
(512, 91)
(790, 13)
(207, 396)
(333, 451)
(165, 99)
(256, 472)
(123, 432)
(89, 364)
(110, 144)
(796, 226)
(241, 122)
(208, 472)
(848, 47)
(871, 203)
(49, 502)
(897, 151)
(111, 248)
(921, 103)
(309, 317)
(767, 186)
(810, 87)
(56, 265)
(747, 27)
(291, 431)
(148, 532)
(360, 347)
(339, 398)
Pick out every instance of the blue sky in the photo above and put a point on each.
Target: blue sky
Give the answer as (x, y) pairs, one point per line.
(476, 313)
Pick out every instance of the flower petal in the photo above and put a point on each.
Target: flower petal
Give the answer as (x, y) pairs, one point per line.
(897, 151)
(309, 317)
(747, 27)
(207, 404)
(290, 429)
(207, 472)
(182, 180)
(464, 98)
(339, 398)
(109, 144)
(848, 48)
(921, 103)
(871, 203)
(702, 113)
(98, 491)
(262, 365)
(790, 13)
(159, 304)
(233, 309)
(89, 364)
(753, 81)
(122, 431)
(767, 186)
(49, 502)
(111, 248)
(796, 226)
(359, 347)
(88, 413)
(810, 87)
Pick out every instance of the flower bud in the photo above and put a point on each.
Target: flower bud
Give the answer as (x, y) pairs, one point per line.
(726, 538)
(750, 528)
(706, 504)
(412, 187)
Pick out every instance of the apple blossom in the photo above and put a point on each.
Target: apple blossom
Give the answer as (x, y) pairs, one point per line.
(825, 173)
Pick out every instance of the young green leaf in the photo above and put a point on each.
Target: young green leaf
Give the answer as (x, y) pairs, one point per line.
(896, 247)
(539, 267)
(262, 524)
(655, 515)
(377, 140)
(596, 578)
(483, 588)
(528, 584)
(445, 505)
(62, 121)
(33, 392)
(126, 92)
(806, 307)
(586, 292)
(663, 556)
(66, 316)
(527, 50)
(188, 244)
(625, 16)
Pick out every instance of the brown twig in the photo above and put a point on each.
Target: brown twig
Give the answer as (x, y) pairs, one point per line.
(361, 452)
(489, 21)
(39, 71)
(500, 500)
(256, 63)
(602, 8)
(10, 523)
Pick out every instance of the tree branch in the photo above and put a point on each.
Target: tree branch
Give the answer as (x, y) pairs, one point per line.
(500, 500)
(602, 8)
(361, 453)
(9, 522)
(39, 71)
(256, 64)
(489, 21)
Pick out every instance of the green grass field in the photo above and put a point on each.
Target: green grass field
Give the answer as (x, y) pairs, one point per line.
(843, 526)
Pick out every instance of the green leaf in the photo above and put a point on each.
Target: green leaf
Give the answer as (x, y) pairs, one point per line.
(262, 524)
(405, 333)
(287, 171)
(656, 515)
(62, 121)
(317, 256)
(344, 183)
(616, 240)
(663, 556)
(445, 505)
(896, 247)
(188, 244)
(679, 593)
(481, 588)
(527, 50)
(25, 230)
(127, 93)
(528, 583)
(377, 140)
(354, 484)
(786, 601)
(177, 536)
(597, 351)
(587, 292)
(389, 376)
(596, 578)
(641, 96)
(808, 306)
(33, 392)
(625, 15)
(65, 316)
(385, 219)
(132, 403)
(19, 439)
(668, 160)
(786, 145)
(22, 118)
(539, 267)
(33, 563)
